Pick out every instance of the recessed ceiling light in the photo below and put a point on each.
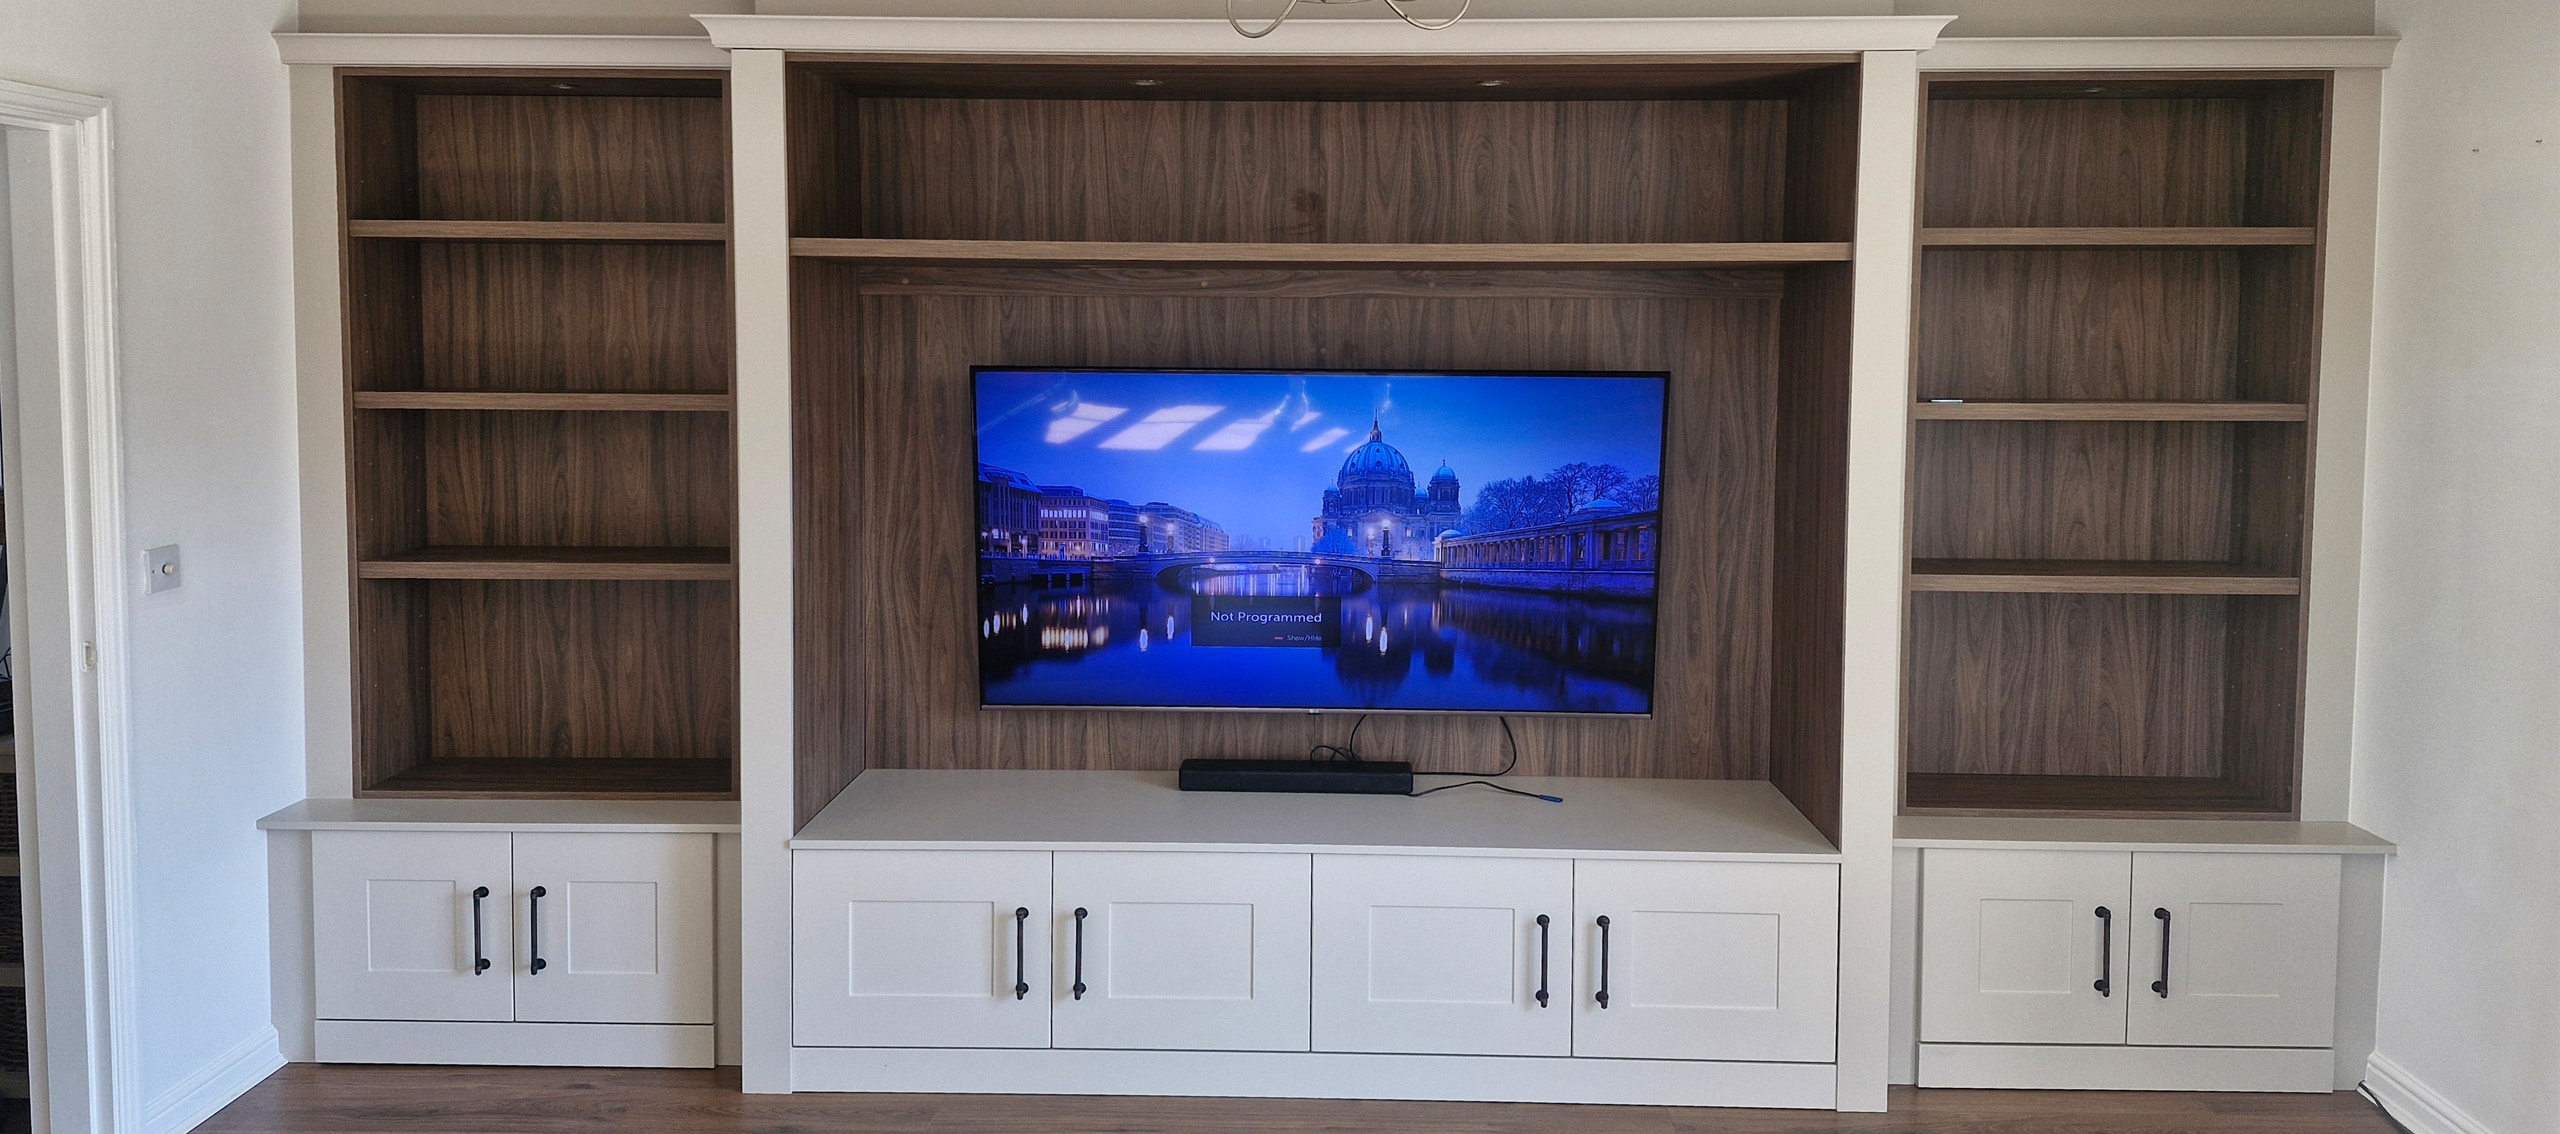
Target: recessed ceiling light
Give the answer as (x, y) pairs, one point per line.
(1146, 82)
(1494, 83)
(564, 86)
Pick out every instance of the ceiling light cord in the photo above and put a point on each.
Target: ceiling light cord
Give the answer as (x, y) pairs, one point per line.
(1396, 6)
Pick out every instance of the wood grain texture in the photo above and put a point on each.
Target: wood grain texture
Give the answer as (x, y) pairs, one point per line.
(694, 563)
(2158, 158)
(2081, 324)
(2075, 490)
(392, 679)
(308, 1098)
(1338, 172)
(643, 232)
(1444, 78)
(579, 670)
(2110, 411)
(2070, 576)
(1809, 576)
(571, 157)
(551, 778)
(2061, 684)
(2094, 797)
(1302, 282)
(574, 317)
(2116, 237)
(536, 402)
(1051, 253)
(578, 480)
(830, 429)
(915, 681)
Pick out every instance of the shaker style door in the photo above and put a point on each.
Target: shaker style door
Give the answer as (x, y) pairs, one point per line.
(1706, 960)
(2025, 946)
(2247, 955)
(920, 948)
(1175, 951)
(411, 925)
(617, 928)
(1443, 955)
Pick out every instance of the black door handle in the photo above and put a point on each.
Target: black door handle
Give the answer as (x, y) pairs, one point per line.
(1542, 960)
(533, 931)
(1079, 985)
(479, 954)
(2161, 985)
(2106, 951)
(1021, 983)
(1603, 995)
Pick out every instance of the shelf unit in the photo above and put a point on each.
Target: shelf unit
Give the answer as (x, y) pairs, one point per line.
(2114, 384)
(1690, 215)
(541, 496)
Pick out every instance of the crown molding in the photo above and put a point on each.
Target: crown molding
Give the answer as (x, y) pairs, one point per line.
(2163, 53)
(1154, 37)
(358, 49)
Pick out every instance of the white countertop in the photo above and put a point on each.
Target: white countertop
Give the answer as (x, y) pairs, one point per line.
(2264, 836)
(592, 815)
(1599, 818)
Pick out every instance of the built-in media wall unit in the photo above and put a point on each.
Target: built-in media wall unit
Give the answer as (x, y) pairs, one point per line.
(1756, 559)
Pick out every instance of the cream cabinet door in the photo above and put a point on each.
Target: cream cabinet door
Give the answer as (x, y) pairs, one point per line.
(616, 928)
(403, 921)
(1177, 951)
(920, 948)
(2025, 946)
(1443, 955)
(2234, 950)
(1706, 960)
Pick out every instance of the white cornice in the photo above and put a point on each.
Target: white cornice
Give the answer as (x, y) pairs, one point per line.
(2164, 53)
(347, 49)
(1042, 36)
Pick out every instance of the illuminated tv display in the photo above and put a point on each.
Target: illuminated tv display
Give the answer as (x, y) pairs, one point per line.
(1318, 540)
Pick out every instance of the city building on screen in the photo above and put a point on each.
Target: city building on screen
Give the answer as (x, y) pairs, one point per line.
(1374, 510)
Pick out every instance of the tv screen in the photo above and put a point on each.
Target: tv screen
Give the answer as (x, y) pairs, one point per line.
(1318, 540)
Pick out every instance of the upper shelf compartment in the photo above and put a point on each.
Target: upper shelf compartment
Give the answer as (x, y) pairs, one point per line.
(2198, 153)
(1480, 153)
(612, 148)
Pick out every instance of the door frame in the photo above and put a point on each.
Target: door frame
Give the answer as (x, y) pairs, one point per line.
(65, 460)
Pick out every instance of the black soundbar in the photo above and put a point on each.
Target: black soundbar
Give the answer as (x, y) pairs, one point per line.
(1343, 777)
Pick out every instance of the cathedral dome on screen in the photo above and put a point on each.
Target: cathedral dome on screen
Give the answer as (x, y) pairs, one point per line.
(1376, 457)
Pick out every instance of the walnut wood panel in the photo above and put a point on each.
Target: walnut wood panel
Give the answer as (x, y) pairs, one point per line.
(2153, 160)
(2080, 576)
(915, 679)
(385, 326)
(321, 1098)
(696, 563)
(2262, 716)
(578, 479)
(1315, 172)
(1809, 580)
(629, 670)
(391, 679)
(574, 317)
(377, 148)
(2045, 684)
(2094, 324)
(1314, 283)
(2110, 411)
(2149, 797)
(549, 778)
(2087, 490)
(1408, 78)
(387, 483)
(832, 658)
(2115, 237)
(624, 231)
(520, 402)
(570, 156)
(1038, 253)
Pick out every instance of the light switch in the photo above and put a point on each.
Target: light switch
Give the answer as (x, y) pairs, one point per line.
(160, 569)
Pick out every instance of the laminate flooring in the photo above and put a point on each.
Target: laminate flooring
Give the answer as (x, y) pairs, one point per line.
(343, 1099)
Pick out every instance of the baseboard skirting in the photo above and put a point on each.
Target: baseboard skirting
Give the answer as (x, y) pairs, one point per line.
(2295, 1070)
(2412, 1103)
(213, 1086)
(512, 1044)
(1297, 1074)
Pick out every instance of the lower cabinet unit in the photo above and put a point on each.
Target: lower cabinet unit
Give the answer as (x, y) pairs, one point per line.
(2130, 970)
(1458, 956)
(1175, 950)
(920, 948)
(499, 947)
(1724, 960)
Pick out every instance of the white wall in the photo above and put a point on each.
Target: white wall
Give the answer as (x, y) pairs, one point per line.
(2458, 694)
(206, 344)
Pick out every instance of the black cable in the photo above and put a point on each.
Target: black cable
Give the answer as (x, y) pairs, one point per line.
(1490, 784)
(1348, 750)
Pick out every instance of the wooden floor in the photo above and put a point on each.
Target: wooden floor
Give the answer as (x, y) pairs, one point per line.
(481, 1100)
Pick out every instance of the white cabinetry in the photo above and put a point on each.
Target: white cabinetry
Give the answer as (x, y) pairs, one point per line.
(431, 932)
(2127, 969)
(1728, 960)
(921, 949)
(1443, 955)
(1180, 951)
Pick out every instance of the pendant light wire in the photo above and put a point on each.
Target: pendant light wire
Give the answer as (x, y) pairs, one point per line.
(1396, 6)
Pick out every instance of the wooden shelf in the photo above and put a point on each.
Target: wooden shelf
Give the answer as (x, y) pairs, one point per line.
(628, 232)
(2110, 411)
(2127, 237)
(696, 564)
(1141, 253)
(529, 402)
(554, 777)
(2081, 795)
(2035, 576)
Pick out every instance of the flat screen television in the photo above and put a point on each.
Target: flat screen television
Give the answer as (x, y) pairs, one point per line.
(1318, 540)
